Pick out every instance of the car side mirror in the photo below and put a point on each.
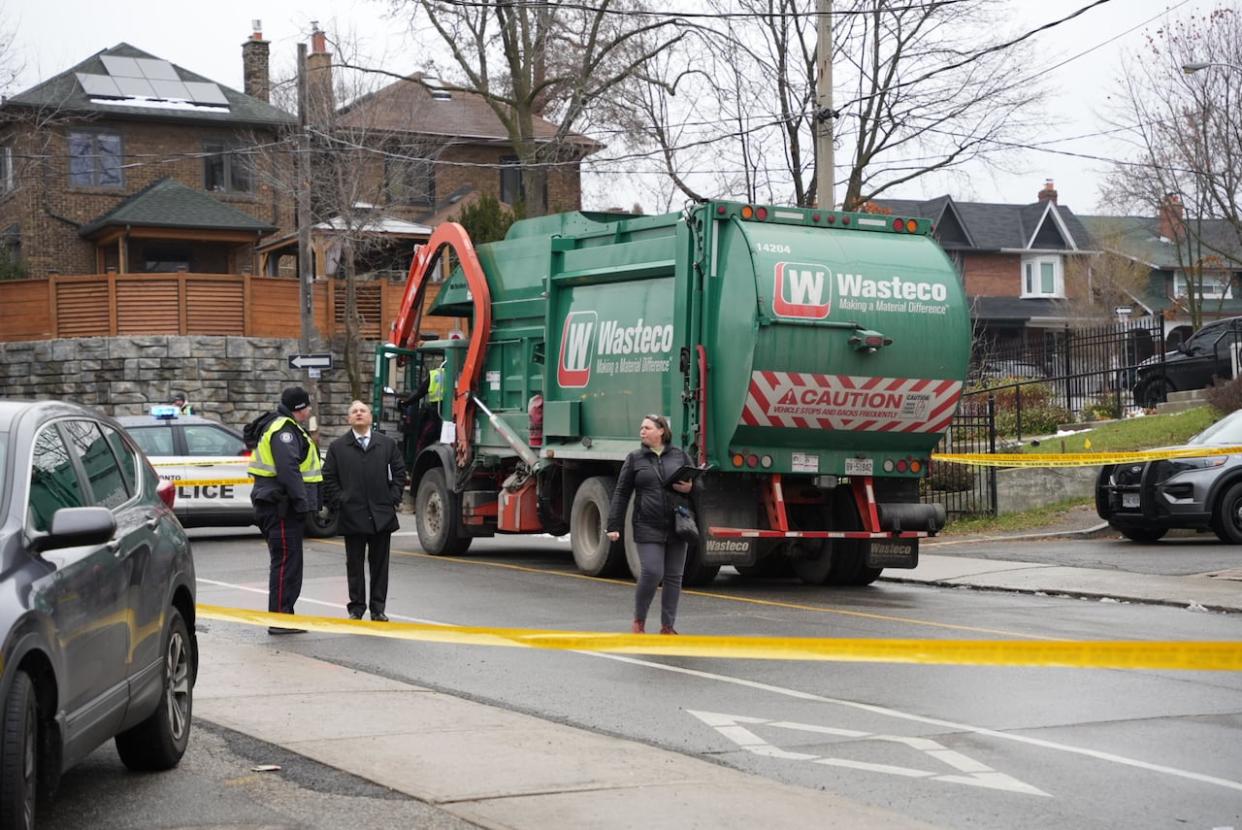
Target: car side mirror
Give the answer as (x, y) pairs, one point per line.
(76, 526)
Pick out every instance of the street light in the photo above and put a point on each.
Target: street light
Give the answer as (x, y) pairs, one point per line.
(1192, 68)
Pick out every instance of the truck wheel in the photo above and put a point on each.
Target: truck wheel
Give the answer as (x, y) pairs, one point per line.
(631, 547)
(772, 566)
(19, 755)
(698, 574)
(849, 557)
(438, 517)
(594, 553)
(813, 568)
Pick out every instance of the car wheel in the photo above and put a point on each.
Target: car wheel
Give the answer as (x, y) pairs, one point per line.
(323, 523)
(437, 517)
(1227, 519)
(1141, 534)
(159, 741)
(1153, 392)
(594, 553)
(19, 755)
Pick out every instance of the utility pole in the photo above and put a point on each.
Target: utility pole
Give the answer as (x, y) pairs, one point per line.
(824, 115)
(302, 165)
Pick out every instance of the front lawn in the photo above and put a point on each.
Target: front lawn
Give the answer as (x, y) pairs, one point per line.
(1145, 433)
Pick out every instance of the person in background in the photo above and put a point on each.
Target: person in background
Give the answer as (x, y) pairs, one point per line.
(183, 407)
(364, 476)
(287, 473)
(662, 555)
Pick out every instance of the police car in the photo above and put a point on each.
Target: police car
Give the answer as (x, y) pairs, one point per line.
(207, 461)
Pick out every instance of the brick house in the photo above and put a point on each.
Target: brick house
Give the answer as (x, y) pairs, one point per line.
(1022, 266)
(128, 162)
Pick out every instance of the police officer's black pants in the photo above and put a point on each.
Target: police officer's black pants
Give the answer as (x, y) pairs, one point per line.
(284, 546)
(357, 546)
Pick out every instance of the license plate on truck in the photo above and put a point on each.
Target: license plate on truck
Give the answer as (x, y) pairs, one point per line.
(1130, 500)
(859, 467)
(893, 553)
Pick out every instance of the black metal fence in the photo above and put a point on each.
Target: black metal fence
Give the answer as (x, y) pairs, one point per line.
(962, 489)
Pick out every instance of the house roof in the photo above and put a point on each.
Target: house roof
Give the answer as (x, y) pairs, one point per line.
(1016, 309)
(409, 106)
(1138, 237)
(170, 204)
(990, 226)
(65, 93)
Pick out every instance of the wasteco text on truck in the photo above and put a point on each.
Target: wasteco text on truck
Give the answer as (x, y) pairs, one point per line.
(810, 359)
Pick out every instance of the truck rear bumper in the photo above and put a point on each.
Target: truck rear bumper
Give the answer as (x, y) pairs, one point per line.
(744, 533)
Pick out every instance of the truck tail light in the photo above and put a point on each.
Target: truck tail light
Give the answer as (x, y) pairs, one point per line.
(748, 212)
(738, 459)
(752, 460)
(912, 226)
(765, 462)
(902, 466)
(761, 213)
(899, 225)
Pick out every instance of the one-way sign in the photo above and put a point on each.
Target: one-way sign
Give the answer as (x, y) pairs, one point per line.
(310, 361)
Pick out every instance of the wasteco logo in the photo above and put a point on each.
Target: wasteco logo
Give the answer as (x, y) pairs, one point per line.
(802, 290)
(573, 370)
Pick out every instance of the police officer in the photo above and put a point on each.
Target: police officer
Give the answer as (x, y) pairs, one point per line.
(183, 407)
(286, 471)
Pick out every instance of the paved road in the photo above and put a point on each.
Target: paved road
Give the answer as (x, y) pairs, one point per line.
(1181, 553)
(957, 747)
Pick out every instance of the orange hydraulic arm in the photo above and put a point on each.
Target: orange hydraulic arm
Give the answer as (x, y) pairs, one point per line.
(405, 328)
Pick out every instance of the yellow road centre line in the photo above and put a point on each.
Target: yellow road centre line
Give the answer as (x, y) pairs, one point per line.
(1095, 654)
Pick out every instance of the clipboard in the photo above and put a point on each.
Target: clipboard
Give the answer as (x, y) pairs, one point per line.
(686, 472)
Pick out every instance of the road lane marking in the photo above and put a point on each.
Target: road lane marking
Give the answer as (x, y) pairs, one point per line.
(971, 773)
(871, 708)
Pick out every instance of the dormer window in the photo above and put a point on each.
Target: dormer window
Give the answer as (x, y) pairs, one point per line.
(1042, 276)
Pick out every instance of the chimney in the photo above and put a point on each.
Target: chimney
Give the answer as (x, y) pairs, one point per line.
(1172, 217)
(257, 82)
(322, 103)
(1048, 194)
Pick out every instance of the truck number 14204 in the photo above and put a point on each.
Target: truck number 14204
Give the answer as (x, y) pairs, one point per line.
(771, 248)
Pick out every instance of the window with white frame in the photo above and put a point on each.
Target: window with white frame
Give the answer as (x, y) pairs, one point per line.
(1212, 286)
(1042, 276)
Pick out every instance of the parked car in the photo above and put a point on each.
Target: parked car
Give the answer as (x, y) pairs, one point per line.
(97, 609)
(194, 449)
(1204, 356)
(1143, 501)
(1006, 369)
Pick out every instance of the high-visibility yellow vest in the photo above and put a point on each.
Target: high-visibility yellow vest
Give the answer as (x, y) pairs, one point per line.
(435, 386)
(262, 463)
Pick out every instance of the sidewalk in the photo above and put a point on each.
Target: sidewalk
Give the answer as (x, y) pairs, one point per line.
(491, 766)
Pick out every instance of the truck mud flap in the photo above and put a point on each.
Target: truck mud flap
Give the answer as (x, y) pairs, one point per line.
(893, 553)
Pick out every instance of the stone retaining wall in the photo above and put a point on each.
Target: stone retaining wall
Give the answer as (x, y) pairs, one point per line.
(229, 379)
(1025, 488)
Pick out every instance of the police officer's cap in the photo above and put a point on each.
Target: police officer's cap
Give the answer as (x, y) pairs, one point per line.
(295, 399)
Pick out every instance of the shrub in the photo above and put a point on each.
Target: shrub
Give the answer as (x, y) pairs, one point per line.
(1226, 395)
(1104, 407)
(1041, 412)
(945, 475)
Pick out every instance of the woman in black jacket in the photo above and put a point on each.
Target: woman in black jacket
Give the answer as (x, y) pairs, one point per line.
(661, 554)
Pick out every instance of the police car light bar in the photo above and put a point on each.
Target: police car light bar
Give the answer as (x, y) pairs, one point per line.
(164, 413)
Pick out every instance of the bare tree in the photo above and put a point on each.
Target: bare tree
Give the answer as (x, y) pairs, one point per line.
(1186, 164)
(529, 59)
(933, 87)
(368, 166)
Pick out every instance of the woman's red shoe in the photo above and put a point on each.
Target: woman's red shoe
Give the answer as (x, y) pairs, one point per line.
(638, 627)
(667, 629)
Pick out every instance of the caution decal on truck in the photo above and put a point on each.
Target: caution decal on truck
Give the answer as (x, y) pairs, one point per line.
(802, 400)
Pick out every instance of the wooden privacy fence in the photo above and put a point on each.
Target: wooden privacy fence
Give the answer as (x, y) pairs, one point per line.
(110, 305)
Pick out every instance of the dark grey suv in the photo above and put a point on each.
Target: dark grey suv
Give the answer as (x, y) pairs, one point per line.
(96, 603)
(1145, 500)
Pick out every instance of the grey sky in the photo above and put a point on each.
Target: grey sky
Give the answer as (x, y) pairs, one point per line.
(51, 36)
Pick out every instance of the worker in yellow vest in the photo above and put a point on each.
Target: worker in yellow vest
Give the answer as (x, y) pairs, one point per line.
(286, 469)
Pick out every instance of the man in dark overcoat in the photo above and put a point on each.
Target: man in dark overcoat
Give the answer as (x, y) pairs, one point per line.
(364, 477)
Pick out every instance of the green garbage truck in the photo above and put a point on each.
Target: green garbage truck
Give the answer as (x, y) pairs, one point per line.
(810, 360)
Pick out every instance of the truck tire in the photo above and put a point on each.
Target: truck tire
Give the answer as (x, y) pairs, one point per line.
(849, 557)
(438, 517)
(631, 547)
(813, 568)
(594, 553)
(698, 574)
(772, 566)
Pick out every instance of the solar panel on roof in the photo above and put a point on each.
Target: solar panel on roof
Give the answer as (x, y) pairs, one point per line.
(119, 67)
(172, 90)
(157, 70)
(205, 93)
(136, 87)
(98, 84)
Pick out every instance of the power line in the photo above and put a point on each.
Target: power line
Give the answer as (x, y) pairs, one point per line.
(605, 10)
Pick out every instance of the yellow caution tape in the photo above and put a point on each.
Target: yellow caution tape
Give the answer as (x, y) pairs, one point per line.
(208, 482)
(1079, 459)
(1091, 654)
